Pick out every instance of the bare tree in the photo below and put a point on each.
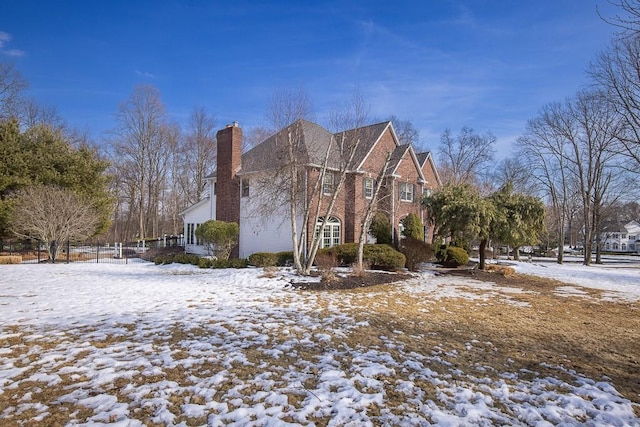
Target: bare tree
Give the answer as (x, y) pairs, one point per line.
(199, 153)
(543, 149)
(167, 195)
(370, 210)
(629, 20)
(466, 157)
(572, 147)
(617, 73)
(255, 136)
(141, 151)
(311, 170)
(31, 114)
(406, 132)
(11, 87)
(513, 171)
(53, 215)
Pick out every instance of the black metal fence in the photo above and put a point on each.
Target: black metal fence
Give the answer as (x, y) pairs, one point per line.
(32, 251)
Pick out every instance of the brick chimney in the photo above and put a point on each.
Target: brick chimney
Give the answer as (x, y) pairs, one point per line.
(228, 184)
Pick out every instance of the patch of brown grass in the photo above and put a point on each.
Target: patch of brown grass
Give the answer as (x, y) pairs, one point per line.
(501, 269)
(483, 337)
(598, 339)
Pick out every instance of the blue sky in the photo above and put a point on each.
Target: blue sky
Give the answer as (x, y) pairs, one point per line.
(487, 64)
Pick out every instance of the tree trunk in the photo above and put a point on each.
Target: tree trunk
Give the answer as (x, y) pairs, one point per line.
(561, 245)
(483, 247)
(516, 253)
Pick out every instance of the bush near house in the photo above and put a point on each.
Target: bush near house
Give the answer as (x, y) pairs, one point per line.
(271, 259)
(177, 258)
(412, 227)
(263, 259)
(200, 262)
(285, 258)
(382, 257)
(223, 263)
(416, 251)
(381, 228)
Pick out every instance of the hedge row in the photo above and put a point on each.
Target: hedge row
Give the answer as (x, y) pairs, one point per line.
(200, 262)
(382, 257)
(271, 259)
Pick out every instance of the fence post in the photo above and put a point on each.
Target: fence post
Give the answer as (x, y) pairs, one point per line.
(38, 243)
(68, 254)
(98, 253)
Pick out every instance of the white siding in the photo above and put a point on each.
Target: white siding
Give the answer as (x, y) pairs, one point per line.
(197, 214)
(260, 233)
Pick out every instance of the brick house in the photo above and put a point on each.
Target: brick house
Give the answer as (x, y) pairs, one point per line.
(244, 188)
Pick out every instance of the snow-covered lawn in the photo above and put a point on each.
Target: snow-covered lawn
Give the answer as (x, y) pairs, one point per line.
(141, 344)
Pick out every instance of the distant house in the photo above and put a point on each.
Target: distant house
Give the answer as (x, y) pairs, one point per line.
(235, 194)
(621, 237)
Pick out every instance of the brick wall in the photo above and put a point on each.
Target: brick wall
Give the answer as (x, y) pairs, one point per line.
(228, 163)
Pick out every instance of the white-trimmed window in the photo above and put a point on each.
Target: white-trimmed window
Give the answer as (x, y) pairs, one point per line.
(367, 187)
(331, 234)
(245, 188)
(328, 183)
(405, 190)
(191, 234)
(624, 246)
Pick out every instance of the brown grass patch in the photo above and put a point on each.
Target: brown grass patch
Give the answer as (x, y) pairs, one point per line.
(485, 337)
(501, 269)
(598, 339)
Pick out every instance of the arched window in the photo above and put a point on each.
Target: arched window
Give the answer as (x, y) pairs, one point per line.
(624, 246)
(615, 246)
(607, 246)
(332, 232)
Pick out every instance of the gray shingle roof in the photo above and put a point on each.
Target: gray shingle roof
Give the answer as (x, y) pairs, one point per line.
(422, 157)
(396, 157)
(312, 143)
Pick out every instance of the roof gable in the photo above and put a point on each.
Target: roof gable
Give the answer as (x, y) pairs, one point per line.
(425, 159)
(367, 138)
(401, 153)
(312, 143)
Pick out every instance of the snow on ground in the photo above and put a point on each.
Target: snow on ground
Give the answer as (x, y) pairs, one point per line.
(619, 277)
(103, 331)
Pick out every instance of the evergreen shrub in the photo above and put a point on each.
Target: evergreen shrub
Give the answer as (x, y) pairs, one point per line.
(263, 259)
(382, 257)
(456, 257)
(284, 258)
